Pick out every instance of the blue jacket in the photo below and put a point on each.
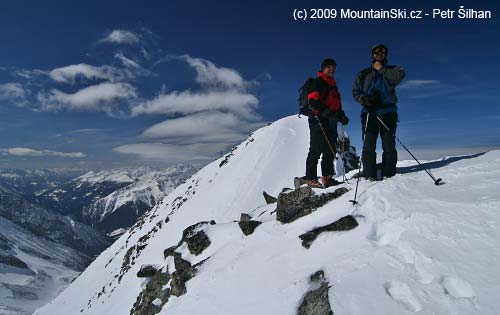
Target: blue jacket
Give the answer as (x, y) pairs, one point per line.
(369, 80)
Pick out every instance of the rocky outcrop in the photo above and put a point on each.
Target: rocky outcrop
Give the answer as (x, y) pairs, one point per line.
(153, 297)
(195, 238)
(315, 301)
(162, 284)
(147, 271)
(343, 224)
(293, 204)
(269, 199)
(247, 225)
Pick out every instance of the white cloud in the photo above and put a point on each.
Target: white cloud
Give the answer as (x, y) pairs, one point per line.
(188, 102)
(223, 89)
(70, 74)
(121, 37)
(414, 84)
(29, 74)
(172, 152)
(13, 92)
(100, 97)
(220, 114)
(208, 74)
(204, 127)
(31, 152)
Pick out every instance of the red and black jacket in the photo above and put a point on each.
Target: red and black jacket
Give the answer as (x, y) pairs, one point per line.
(324, 97)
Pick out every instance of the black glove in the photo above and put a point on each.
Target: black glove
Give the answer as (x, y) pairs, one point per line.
(373, 100)
(325, 113)
(343, 118)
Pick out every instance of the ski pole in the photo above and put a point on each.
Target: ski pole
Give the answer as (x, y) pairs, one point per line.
(359, 169)
(436, 181)
(326, 137)
(343, 153)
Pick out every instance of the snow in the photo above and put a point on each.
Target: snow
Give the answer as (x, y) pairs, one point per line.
(157, 302)
(457, 287)
(118, 176)
(401, 293)
(24, 290)
(418, 247)
(147, 188)
(117, 232)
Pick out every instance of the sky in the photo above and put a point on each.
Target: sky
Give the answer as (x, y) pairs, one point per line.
(105, 84)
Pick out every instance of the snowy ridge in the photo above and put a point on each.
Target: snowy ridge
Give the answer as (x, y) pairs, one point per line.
(148, 189)
(116, 176)
(418, 247)
(36, 181)
(110, 200)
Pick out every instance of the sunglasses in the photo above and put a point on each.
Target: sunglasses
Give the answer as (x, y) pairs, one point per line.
(379, 52)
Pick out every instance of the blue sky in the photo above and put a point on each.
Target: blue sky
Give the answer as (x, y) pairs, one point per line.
(102, 84)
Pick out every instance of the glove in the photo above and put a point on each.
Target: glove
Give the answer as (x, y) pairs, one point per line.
(325, 113)
(313, 111)
(372, 100)
(343, 118)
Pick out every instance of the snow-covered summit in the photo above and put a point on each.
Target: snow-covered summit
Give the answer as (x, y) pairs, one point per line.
(116, 176)
(418, 247)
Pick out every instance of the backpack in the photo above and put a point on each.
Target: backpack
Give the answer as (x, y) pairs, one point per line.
(304, 91)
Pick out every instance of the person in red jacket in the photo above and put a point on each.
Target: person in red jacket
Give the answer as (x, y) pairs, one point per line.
(326, 111)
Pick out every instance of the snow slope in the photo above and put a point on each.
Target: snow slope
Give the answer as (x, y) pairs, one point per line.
(418, 247)
(37, 271)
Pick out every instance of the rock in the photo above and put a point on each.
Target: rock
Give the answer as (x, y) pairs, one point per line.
(293, 204)
(269, 199)
(196, 240)
(198, 243)
(183, 272)
(151, 300)
(315, 301)
(299, 181)
(343, 224)
(171, 252)
(147, 301)
(245, 217)
(248, 227)
(4, 243)
(11, 260)
(148, 271)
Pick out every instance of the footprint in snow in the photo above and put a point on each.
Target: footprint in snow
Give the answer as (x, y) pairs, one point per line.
(456, 287)
(384, 233)
(401, 293)
(415, 262)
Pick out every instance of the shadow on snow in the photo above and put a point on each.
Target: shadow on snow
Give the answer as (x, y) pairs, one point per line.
(436, 164)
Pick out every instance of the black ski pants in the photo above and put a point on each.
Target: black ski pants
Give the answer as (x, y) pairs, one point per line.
(318, 146)
(390, 155)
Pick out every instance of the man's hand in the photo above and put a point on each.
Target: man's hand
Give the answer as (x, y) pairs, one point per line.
(343, 118)
(377, 65)
(372, 101)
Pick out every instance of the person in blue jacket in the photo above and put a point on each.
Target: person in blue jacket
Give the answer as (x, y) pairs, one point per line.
(375, 90)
